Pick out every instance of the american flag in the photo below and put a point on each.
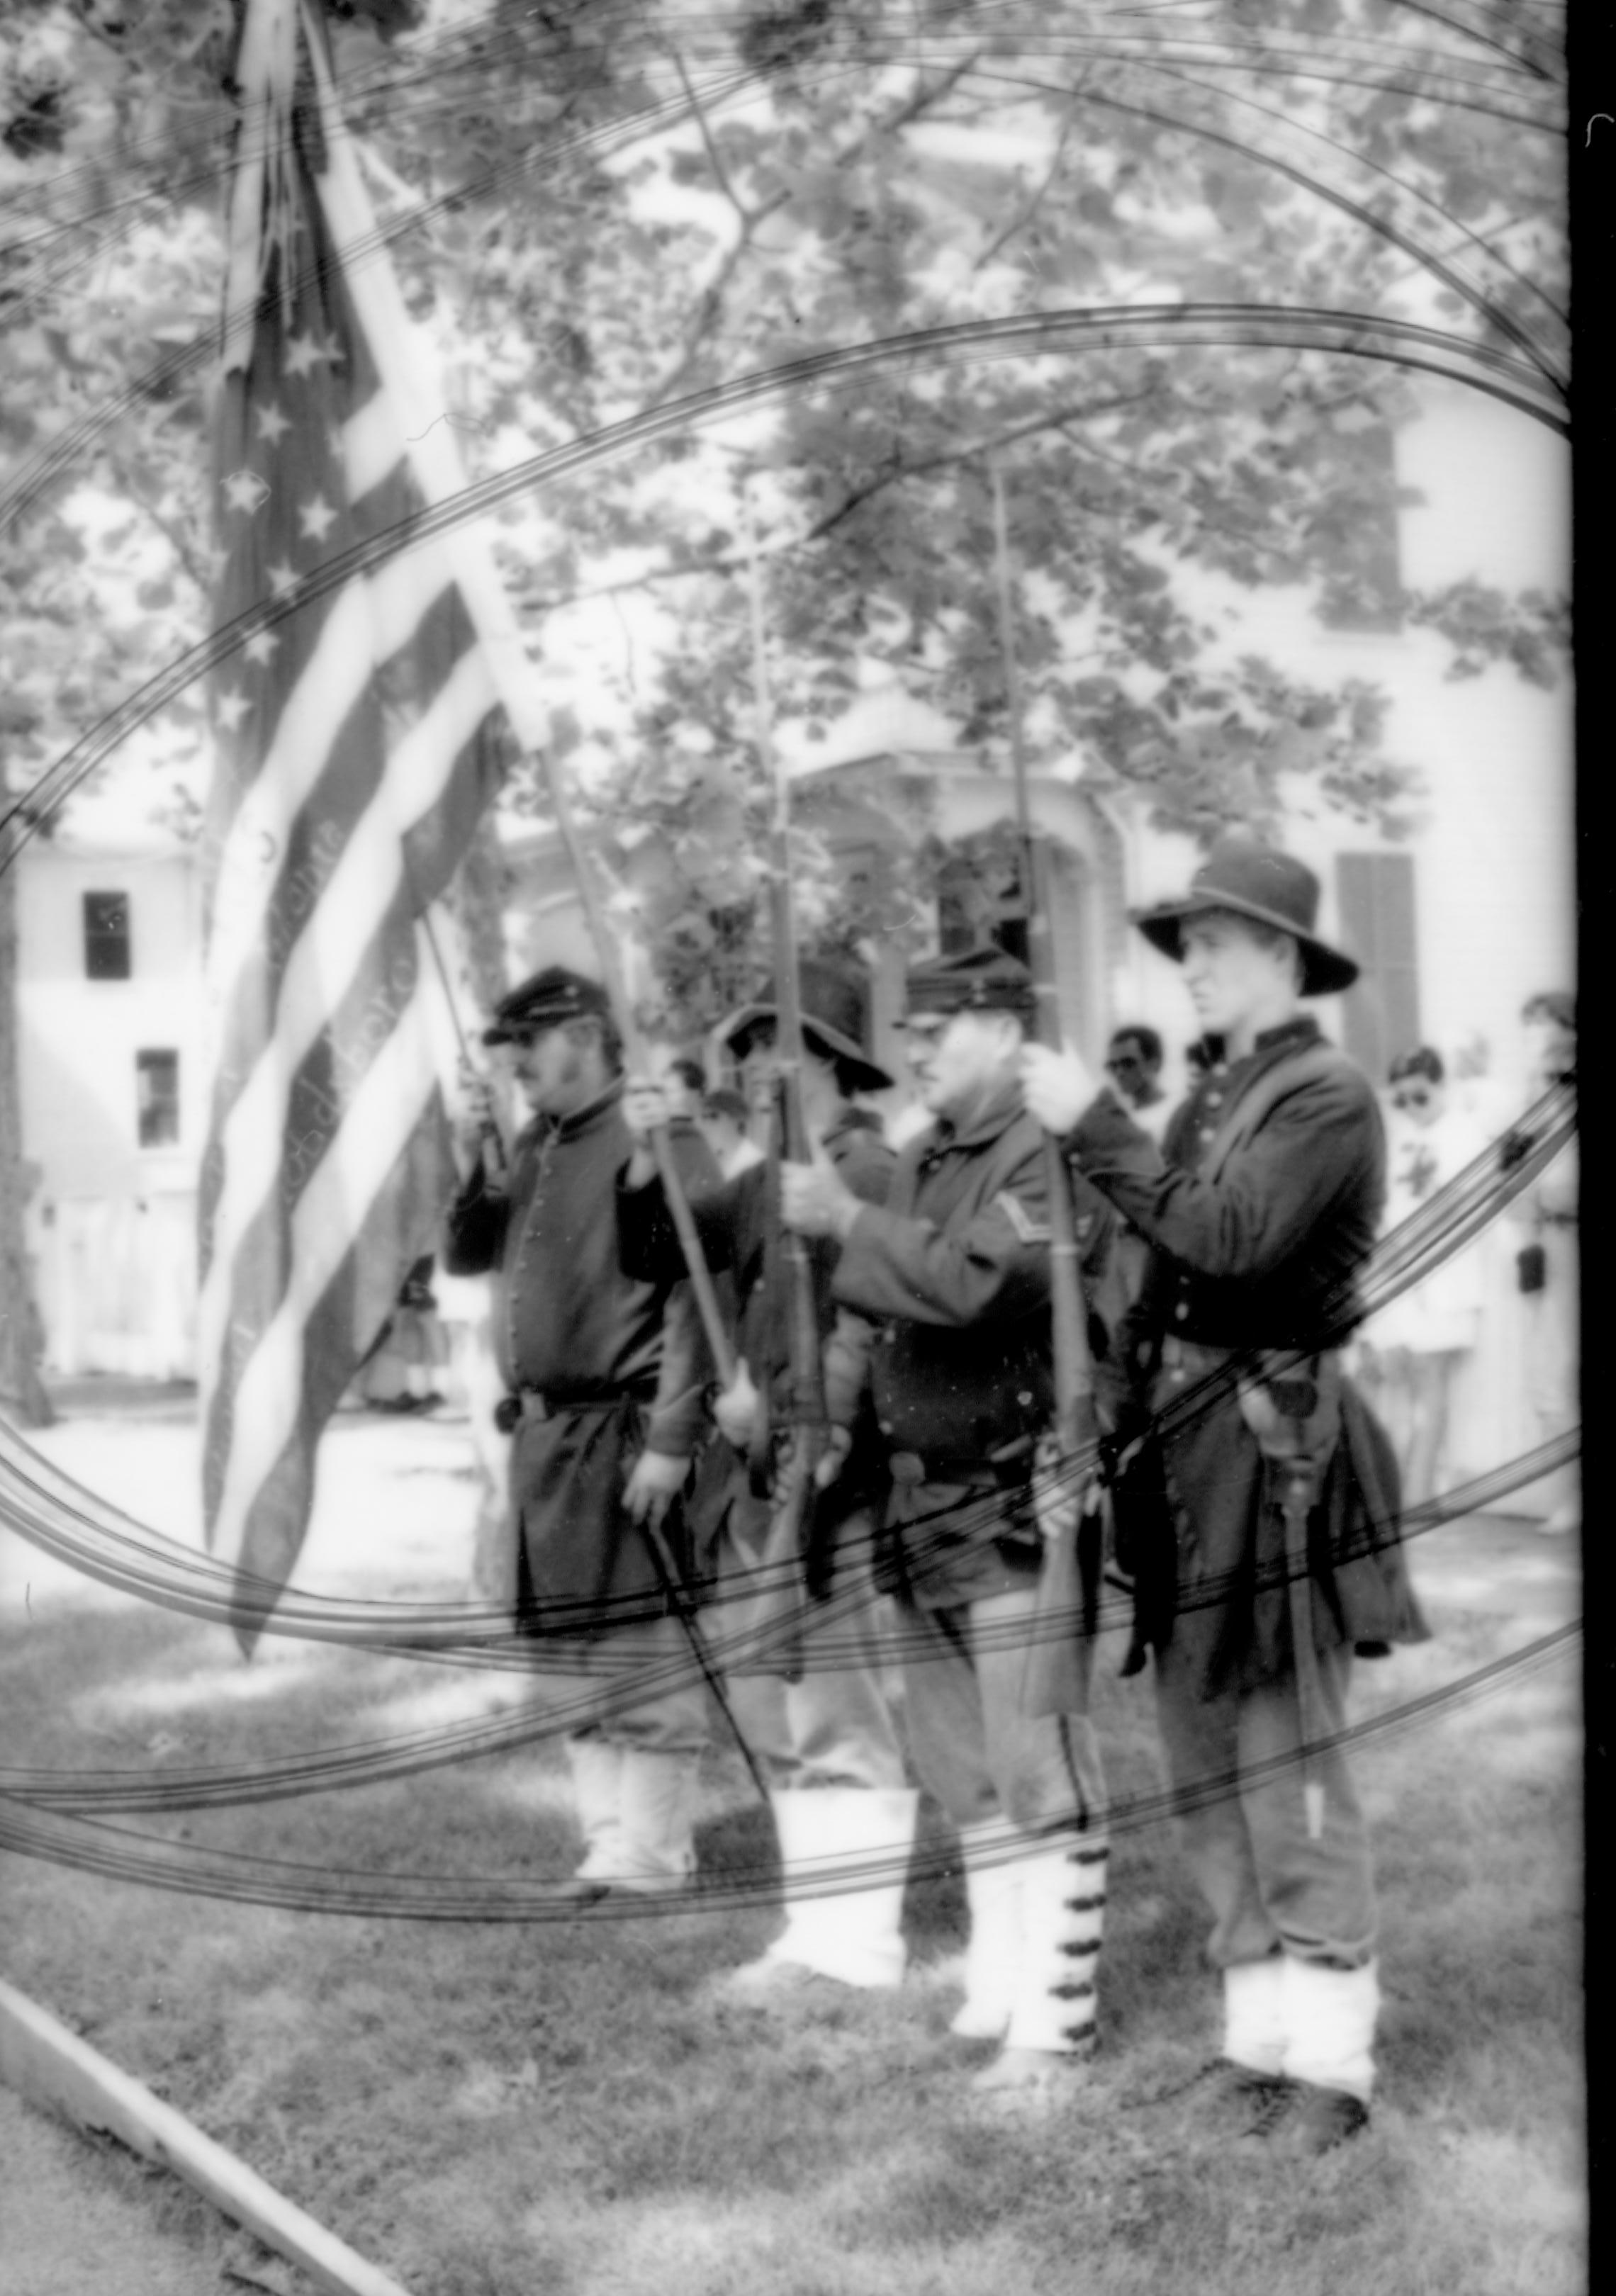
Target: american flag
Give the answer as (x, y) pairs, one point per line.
(358, 740)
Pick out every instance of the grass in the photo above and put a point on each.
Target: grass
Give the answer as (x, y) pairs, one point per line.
(550, 2110)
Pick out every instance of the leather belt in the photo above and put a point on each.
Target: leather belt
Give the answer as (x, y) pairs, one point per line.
(909, 1468)
(531, 1404)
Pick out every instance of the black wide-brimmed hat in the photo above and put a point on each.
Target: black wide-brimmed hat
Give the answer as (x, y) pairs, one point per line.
(545, 1000)
(835, 1006)
(1260, 883)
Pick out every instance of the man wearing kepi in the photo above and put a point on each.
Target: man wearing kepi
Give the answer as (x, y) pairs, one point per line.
(1259, 1511)
(826, 1738)
(605, 1378)
(951, 1285)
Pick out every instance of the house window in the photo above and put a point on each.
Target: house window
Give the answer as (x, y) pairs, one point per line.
(106, 936)
(1381, 1009)
(157, 1098)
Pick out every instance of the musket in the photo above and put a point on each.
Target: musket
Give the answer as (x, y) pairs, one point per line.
(1055, 1681)
(797, 1458)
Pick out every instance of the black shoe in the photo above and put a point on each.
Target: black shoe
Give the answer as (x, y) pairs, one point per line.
(1316, 2120)
(1225, 2102)
(580, 1891)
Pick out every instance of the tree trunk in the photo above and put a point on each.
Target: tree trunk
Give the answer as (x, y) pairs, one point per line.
(22, 1396)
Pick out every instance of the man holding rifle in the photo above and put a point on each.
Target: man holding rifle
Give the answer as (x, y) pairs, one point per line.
(1258, 1510)
(605, 1381)
(950, 1282)
(835, 1768)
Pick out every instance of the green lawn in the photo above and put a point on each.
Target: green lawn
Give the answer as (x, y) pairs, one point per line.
(493, 2109)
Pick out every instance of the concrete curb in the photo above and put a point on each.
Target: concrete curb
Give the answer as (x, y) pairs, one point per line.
(50, 2066)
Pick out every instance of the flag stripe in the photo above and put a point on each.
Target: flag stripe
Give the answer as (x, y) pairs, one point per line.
(387, 1105)
(329, 956)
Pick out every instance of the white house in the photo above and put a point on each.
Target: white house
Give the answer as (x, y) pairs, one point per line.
(108, 935)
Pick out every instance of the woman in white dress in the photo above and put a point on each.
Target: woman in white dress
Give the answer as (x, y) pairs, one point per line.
(1416, 1344)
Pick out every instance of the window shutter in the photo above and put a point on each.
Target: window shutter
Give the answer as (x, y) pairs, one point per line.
(1381, 1010)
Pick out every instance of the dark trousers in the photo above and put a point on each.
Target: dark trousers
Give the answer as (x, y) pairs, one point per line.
(1238, 1788)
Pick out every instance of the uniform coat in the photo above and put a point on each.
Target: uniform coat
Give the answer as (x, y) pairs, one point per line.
(1263, 1256)
(613, 1366)
(952, 1279)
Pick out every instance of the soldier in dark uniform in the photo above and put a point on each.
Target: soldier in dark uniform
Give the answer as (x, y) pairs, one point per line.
(950, 1282)
(827, 1739)
(605, 1378)
(1262, 1524)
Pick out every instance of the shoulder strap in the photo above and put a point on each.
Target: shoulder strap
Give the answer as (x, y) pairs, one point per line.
(1309, 1065)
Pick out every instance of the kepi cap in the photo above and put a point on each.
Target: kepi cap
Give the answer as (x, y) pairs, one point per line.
(981, 980)
(545, 1001)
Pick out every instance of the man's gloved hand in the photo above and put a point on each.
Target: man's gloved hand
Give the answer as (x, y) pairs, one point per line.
(477, 1120)
(644, 1112)
(654, 1484)
(1056, 1086)
(814, 1200)
(645, 1106)
(838, 1443)
(735, 1409)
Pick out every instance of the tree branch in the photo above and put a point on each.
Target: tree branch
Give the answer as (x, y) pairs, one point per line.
(924, 468)
(1019, 222)
(711, 301)
(707, 144)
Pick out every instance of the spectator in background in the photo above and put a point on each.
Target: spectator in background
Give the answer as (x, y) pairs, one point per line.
(723, 1126)
(1133, 1062)
(1413, 1347)
(401, 1372)
(1548, 1264)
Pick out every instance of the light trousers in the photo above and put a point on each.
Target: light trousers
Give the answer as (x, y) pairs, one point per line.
(965, 1666)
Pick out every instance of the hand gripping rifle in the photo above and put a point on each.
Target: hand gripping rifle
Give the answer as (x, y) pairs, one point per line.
(1056, 1680)
(796, 1453)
